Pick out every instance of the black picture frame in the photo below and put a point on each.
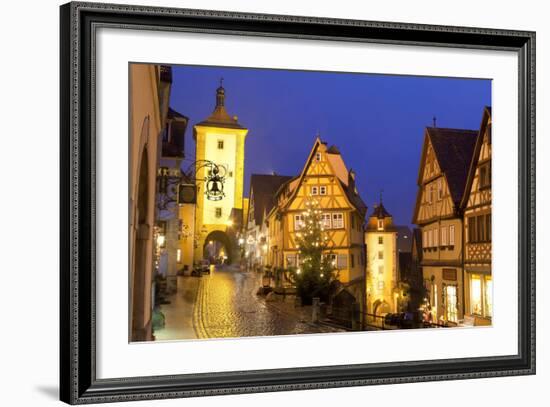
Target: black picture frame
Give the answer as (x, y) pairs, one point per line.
(78, 382)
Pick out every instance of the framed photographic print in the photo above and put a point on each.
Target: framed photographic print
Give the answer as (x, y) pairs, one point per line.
(255, 203)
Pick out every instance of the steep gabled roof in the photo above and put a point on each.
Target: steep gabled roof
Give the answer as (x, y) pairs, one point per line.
(454, 150)
(263, 188)
(354, 198)
(477, 149)
(336, 162)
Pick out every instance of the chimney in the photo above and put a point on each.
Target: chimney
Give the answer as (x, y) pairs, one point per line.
(351, 181)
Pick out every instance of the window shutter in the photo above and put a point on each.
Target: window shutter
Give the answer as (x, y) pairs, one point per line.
(342, 261)
(452, 235)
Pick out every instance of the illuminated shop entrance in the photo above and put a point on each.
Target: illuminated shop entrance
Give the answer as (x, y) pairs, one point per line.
(451, 303)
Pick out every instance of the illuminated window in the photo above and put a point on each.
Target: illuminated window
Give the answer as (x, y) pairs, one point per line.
(298, 222)
(332, 259)
(380, 239)
(380, 224)
(481, 295)
(337, 220)
(178, 255)
(314, 190)
(325, 220)
(322, 190)
(291, 260)
(220, 144)
(475, 295)
(488, 296)
(381, 285)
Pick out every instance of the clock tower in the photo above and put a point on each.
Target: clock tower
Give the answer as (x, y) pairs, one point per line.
(220, 139)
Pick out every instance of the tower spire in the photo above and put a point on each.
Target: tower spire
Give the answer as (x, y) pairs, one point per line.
(220, 94)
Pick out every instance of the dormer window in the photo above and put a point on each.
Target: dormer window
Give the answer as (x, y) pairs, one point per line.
(380, 224)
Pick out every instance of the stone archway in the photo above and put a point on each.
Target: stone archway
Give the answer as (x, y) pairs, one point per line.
(219, 239)
(140, 277)
(381, 307)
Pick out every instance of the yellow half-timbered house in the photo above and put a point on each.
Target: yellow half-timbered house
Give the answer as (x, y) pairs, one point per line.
(477, 229)
(444, 165)
(330, 186)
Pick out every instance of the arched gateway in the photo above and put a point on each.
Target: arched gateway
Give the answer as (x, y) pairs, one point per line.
(220, 247)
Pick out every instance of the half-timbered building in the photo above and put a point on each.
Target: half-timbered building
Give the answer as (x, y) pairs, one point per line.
(477, 229)
(326, 181)
(261, 200)
(444, 165)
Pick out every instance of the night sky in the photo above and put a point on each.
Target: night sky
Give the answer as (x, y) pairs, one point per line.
(376, 121)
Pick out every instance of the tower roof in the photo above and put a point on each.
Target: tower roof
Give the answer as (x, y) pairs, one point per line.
(380, 212)
(220, 117)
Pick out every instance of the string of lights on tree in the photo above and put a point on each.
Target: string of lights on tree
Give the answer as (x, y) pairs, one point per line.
(315, 269)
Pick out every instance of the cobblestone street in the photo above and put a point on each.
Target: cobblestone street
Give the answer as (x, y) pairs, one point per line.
(224, 304)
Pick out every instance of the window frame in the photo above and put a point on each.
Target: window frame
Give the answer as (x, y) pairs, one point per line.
(338, 220)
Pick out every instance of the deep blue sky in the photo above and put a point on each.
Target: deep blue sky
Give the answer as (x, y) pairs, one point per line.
(377, 121)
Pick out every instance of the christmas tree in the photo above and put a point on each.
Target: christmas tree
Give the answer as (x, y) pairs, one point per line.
(315, 271)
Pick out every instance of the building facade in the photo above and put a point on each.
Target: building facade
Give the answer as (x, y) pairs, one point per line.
(169, 177)
(149, 97)
(263, 188)
(326, 182)
(219, 139)
(477, 230)
(446, 158)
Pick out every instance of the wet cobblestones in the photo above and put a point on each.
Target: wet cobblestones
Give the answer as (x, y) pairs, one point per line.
(227, 306)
